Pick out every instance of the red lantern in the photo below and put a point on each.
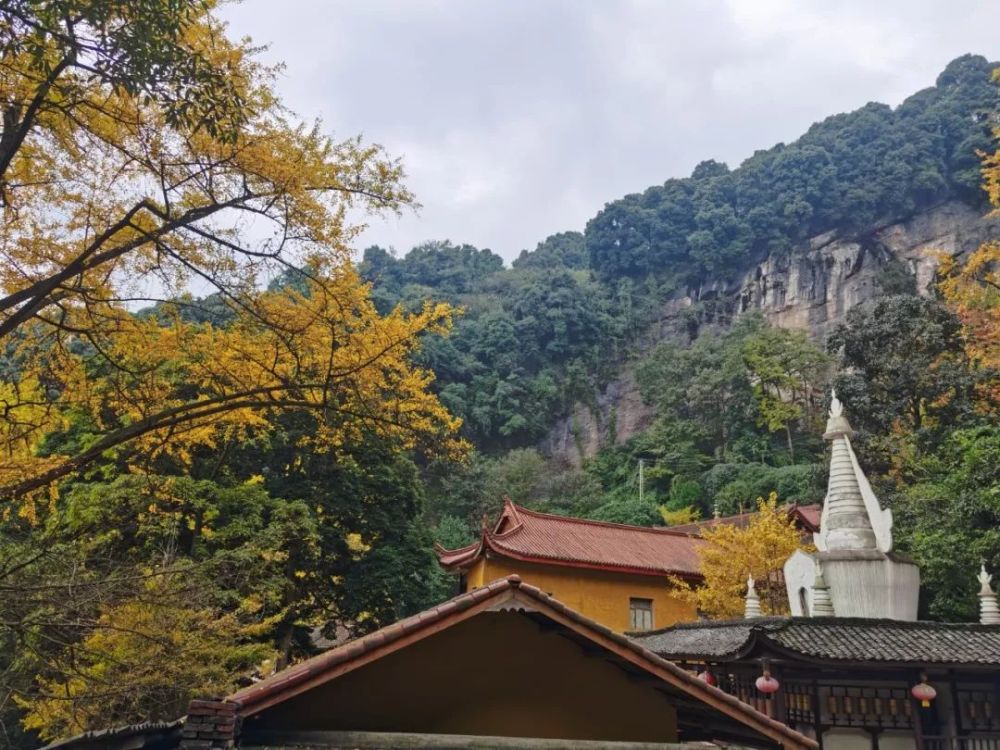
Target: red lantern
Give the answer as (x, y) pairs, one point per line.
(923, 692)
(767, 684)
(707, 677)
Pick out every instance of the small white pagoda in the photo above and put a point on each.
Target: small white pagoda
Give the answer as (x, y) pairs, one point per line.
(854, 558)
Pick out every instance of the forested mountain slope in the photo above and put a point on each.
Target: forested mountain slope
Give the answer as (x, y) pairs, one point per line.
(802, 231)
(811, 289)
(847, 174)
(697, 327)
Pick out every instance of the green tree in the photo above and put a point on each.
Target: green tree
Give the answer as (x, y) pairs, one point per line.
(949, 520)
(562, 250)
(374, 560)
(630, 511)
(788, 373)
(904, 374)
(704, 386)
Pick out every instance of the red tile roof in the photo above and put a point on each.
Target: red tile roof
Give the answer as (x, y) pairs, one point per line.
(809, 514)
(531, 536)
(806, 518)
(342, 659)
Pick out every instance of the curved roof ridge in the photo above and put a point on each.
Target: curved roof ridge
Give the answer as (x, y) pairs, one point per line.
(832, 640)
(768, 622)
(458, 550)
(449, 558)
(785, 620)
(593, 522)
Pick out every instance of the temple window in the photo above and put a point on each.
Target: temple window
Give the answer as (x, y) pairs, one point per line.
(640, 614)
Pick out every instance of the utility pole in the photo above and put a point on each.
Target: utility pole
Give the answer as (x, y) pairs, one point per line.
(640, 480)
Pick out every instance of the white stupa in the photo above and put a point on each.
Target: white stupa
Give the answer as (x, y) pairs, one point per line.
(854, 546)
(989, 609)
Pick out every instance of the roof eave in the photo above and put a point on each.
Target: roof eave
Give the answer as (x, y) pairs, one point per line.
(688, 575)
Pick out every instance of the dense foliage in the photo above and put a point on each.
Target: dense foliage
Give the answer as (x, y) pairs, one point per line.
(531, 340)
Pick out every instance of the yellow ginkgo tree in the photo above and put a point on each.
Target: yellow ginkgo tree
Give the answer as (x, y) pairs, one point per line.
(145, 155)
(146, 657)
(732, 553)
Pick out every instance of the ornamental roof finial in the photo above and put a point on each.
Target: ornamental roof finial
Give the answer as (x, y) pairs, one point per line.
(753, 601)
(837, 424)
(836, 408)
(989, 611)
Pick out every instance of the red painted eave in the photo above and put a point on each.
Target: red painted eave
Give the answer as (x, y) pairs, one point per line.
(808, 515)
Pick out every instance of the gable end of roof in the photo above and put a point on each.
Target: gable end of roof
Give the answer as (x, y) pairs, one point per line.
(338, 661)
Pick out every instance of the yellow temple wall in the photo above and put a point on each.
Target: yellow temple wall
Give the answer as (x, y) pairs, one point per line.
(600, 595)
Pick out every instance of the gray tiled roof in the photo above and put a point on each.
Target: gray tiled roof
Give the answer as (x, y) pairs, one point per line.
(830, 639)
(161, 735)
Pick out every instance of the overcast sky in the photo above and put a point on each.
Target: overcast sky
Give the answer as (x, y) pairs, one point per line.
(516, 119)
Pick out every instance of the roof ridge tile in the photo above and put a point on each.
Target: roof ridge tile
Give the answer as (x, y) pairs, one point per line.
(665, 530)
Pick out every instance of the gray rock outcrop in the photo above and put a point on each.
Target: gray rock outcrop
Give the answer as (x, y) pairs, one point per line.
(811, 289)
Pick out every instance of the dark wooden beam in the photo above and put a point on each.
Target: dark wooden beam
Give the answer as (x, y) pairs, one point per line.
(415, 741)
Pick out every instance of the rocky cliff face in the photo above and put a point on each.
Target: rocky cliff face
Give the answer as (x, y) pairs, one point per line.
(812, 289)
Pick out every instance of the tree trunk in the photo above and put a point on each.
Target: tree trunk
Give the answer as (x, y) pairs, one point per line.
(284, 646)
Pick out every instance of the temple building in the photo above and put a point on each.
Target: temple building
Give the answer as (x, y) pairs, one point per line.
(852, 667)
(615, 574)
(503, 666)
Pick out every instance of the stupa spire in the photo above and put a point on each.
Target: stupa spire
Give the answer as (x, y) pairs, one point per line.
(753, 601)
(989, 611)
(845, 523)
(860, 576)
(852, 517)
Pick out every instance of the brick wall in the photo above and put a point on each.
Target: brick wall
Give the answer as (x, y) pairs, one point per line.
(211, 725)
